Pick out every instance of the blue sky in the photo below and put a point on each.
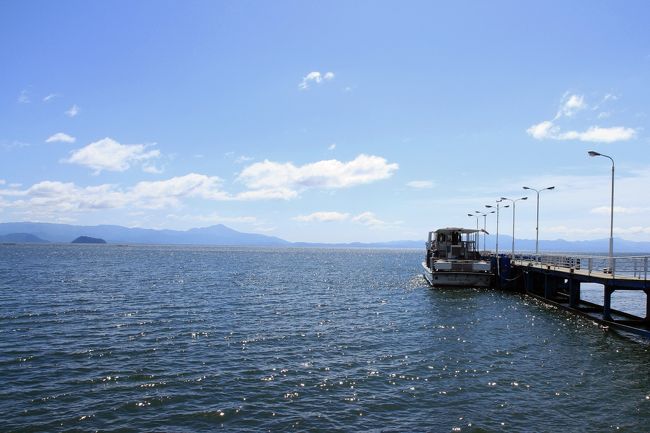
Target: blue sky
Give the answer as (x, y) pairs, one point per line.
(325, 121)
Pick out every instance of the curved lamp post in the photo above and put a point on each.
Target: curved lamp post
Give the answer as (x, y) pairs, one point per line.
(497, 206)
(514, 202)
(611, 218)
(476, 235)
(484, 215)
(537, 224)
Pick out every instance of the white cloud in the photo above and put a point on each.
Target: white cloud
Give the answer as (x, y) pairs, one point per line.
(322, 217)
(571, 104)
(238, 159)
(289, 179)
(267, 194)
(73, 111)
(52, 197)
(50, 97)
(331, 146)
(608, 97)
(164, 193)
(542, 130)
(367, 218)
(60, 137)
(150, 168)
(242, 159)
(421, 184)
(315, 77)
(370, 220)
(606, 210)
(597, 134)
(108, 154)
(598, 232)
(15, 144)
(23, 97)
(214, 218)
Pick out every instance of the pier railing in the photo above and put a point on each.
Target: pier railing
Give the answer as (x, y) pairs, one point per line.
(635, 267)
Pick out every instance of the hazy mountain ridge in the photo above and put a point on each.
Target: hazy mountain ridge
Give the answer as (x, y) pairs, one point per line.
(29, 232)
(22, 238)
(213, 235)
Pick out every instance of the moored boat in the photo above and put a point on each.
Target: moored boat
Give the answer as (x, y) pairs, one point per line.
(453, 260)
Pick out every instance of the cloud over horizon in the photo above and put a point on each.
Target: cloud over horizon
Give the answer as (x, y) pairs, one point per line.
(107, 154)
(421, 184)
(315, 77)
(287, 180)
(60, 137)
(368, 219)
(53, 197)
(73, 111)
(569, 106)
(322, 217)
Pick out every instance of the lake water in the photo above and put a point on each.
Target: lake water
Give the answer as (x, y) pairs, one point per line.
(188, 339)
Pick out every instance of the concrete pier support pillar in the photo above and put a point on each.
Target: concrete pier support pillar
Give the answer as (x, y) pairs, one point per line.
(574, 293)
(647, 305)
(547, 286)
(528, 282)
(607, 303)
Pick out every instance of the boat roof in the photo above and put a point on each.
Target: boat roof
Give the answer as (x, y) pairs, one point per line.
(456, 229)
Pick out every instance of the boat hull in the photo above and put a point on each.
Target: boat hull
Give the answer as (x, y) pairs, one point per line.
(456, 278)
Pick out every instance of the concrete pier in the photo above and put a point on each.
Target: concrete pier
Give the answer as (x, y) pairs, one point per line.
(557, 279)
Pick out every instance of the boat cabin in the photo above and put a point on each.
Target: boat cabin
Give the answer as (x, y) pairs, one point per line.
(453, 243)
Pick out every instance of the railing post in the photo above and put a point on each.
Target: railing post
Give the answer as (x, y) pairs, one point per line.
(613, 270)
(589, 264)
(645, 267)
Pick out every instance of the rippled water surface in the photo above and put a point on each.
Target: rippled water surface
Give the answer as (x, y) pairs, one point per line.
(183, 339)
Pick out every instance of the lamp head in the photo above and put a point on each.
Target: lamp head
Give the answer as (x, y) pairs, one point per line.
(488, 205)
(593, 153)
(550, 188)
(469, 214)
(525, 187)
(524, 198)
(504, 198)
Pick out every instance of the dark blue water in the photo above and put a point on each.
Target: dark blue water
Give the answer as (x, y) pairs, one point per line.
(182, 339)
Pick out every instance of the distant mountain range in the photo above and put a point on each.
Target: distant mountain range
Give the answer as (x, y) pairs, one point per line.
(213, 235)
(563, 246)
(22, 238)
(28, 232)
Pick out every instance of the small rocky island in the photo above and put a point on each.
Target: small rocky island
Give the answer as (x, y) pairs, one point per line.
(88, 240)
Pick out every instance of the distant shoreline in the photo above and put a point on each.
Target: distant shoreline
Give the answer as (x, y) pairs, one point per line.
(221, 235)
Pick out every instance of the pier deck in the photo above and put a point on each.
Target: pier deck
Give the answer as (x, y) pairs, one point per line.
(557, 279)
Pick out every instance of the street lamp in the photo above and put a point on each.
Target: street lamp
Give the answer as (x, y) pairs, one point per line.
(476, 234)
(490, 206)
(537, 224)
(611, 219)
(514, 203)
(485, 226)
